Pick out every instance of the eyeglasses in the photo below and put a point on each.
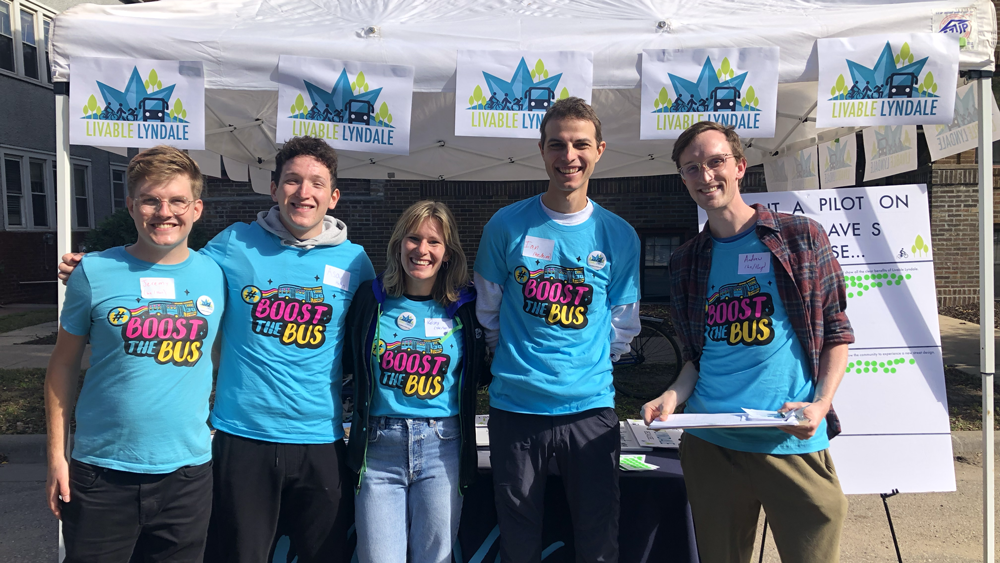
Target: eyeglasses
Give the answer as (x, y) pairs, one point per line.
(177, 205)
(714, 163)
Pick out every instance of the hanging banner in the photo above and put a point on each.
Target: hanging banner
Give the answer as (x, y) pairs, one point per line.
(887, 80)
(802, 170)
(837, 162)
(352, 106)
(506, 93)
(737, 87)
(889, 150)
(963, 133)
(137, 103)
(892, 401)
(775, 175)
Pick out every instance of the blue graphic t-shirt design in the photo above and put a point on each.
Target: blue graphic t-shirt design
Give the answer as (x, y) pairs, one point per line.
(280, 375)
(144, 401)
(752, 356)
(416, 358)
(559, 286)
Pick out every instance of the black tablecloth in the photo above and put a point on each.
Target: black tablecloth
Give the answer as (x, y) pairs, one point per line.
(655, 523)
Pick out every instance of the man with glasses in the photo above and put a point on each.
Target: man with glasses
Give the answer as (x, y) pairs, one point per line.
(279, 452)
(141, 467)
(758, 302)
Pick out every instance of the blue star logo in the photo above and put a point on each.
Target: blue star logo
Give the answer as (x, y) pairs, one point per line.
(518, 93)
(888, 140)
(341, 101)
(803, 165)
(128, 101)
(837, 153)
(780, 175)
(965, 111)
(879, 80)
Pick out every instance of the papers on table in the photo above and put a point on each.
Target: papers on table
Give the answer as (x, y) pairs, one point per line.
(649, 438)
(750, 418)
(635, 463)
(630, 442)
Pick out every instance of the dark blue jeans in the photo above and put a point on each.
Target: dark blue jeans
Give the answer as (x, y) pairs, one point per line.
(111, 511)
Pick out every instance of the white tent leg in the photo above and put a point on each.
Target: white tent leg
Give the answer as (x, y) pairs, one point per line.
(64, 218)
(986, 352)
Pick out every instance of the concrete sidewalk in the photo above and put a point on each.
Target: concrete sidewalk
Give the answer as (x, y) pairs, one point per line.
(15, 354)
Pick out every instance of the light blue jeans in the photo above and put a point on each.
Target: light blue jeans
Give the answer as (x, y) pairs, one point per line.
(409, 492)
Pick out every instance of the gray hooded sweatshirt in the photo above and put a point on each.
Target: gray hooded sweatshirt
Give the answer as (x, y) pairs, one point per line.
(334, 230)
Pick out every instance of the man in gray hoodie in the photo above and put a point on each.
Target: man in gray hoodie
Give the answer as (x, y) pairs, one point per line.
(278, 453)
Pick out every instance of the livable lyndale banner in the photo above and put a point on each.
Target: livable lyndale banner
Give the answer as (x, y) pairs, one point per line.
(902, 79)
(350, 105)
(889, 149)
(506, 93)
(837, 161)
(737, 87)
(796, 171)
(893, 386)
(137, 103)
(962, 133)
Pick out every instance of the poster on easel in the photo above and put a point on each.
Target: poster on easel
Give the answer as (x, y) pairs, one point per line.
(891, 401)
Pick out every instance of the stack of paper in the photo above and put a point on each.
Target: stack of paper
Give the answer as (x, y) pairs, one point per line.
(635, 463)
(649, 438)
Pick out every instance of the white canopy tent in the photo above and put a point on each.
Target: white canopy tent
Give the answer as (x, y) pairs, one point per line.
(239, 42)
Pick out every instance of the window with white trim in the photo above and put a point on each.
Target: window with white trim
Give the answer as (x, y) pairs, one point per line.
(119, 187)
(6, 37)
(27, 188)
(25, 28)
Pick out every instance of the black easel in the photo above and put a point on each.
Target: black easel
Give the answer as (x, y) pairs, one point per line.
(888, 516)
(763, 538)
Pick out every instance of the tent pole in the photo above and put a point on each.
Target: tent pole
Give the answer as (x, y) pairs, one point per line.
(64, 210)
(986, 332)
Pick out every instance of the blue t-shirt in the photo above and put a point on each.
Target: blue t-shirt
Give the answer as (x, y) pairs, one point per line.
(280, 374)
(752, 356)
(417, 361)
(144, 403)
(559, 286)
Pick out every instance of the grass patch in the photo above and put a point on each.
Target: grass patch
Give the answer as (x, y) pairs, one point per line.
(965, 399)
(22, 401)
(25, 319)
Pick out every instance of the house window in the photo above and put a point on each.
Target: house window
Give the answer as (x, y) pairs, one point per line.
(29, 49)
(14, 192)
(81, 199)
(119, 188)
(39, 193)
(6, 38)
(657, 249)
(46, 27)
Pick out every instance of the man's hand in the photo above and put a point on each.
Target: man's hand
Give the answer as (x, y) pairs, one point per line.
(57, 485)
(70, 261)
(660, 408)
(812, 416)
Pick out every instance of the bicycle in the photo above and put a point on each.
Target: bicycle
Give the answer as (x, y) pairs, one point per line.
(652, 363)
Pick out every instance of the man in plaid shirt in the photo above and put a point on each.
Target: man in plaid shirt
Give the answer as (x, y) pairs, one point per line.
(758, 303)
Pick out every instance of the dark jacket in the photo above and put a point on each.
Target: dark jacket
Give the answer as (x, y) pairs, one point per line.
(362, 319)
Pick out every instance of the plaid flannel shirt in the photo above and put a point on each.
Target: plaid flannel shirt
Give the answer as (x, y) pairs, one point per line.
(810, 284)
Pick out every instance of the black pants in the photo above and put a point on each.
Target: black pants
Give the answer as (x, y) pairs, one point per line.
(586, 448)
(265, 490)
(111, 511)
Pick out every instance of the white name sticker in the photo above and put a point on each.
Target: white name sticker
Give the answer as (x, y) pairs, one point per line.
(754, 263)
(435, 328)
(157, 288)
(337, 277)
(540, 248)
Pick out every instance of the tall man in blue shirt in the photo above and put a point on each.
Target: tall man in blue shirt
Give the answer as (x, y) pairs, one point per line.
(558, 283)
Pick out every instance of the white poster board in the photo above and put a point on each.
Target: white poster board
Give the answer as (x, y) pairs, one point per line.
(892, 403)
(892, 79)
(737, 87)
(506, 93)
(137, 103)
(352, 106)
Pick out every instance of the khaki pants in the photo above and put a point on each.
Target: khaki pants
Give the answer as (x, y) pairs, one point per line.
(801, 496)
